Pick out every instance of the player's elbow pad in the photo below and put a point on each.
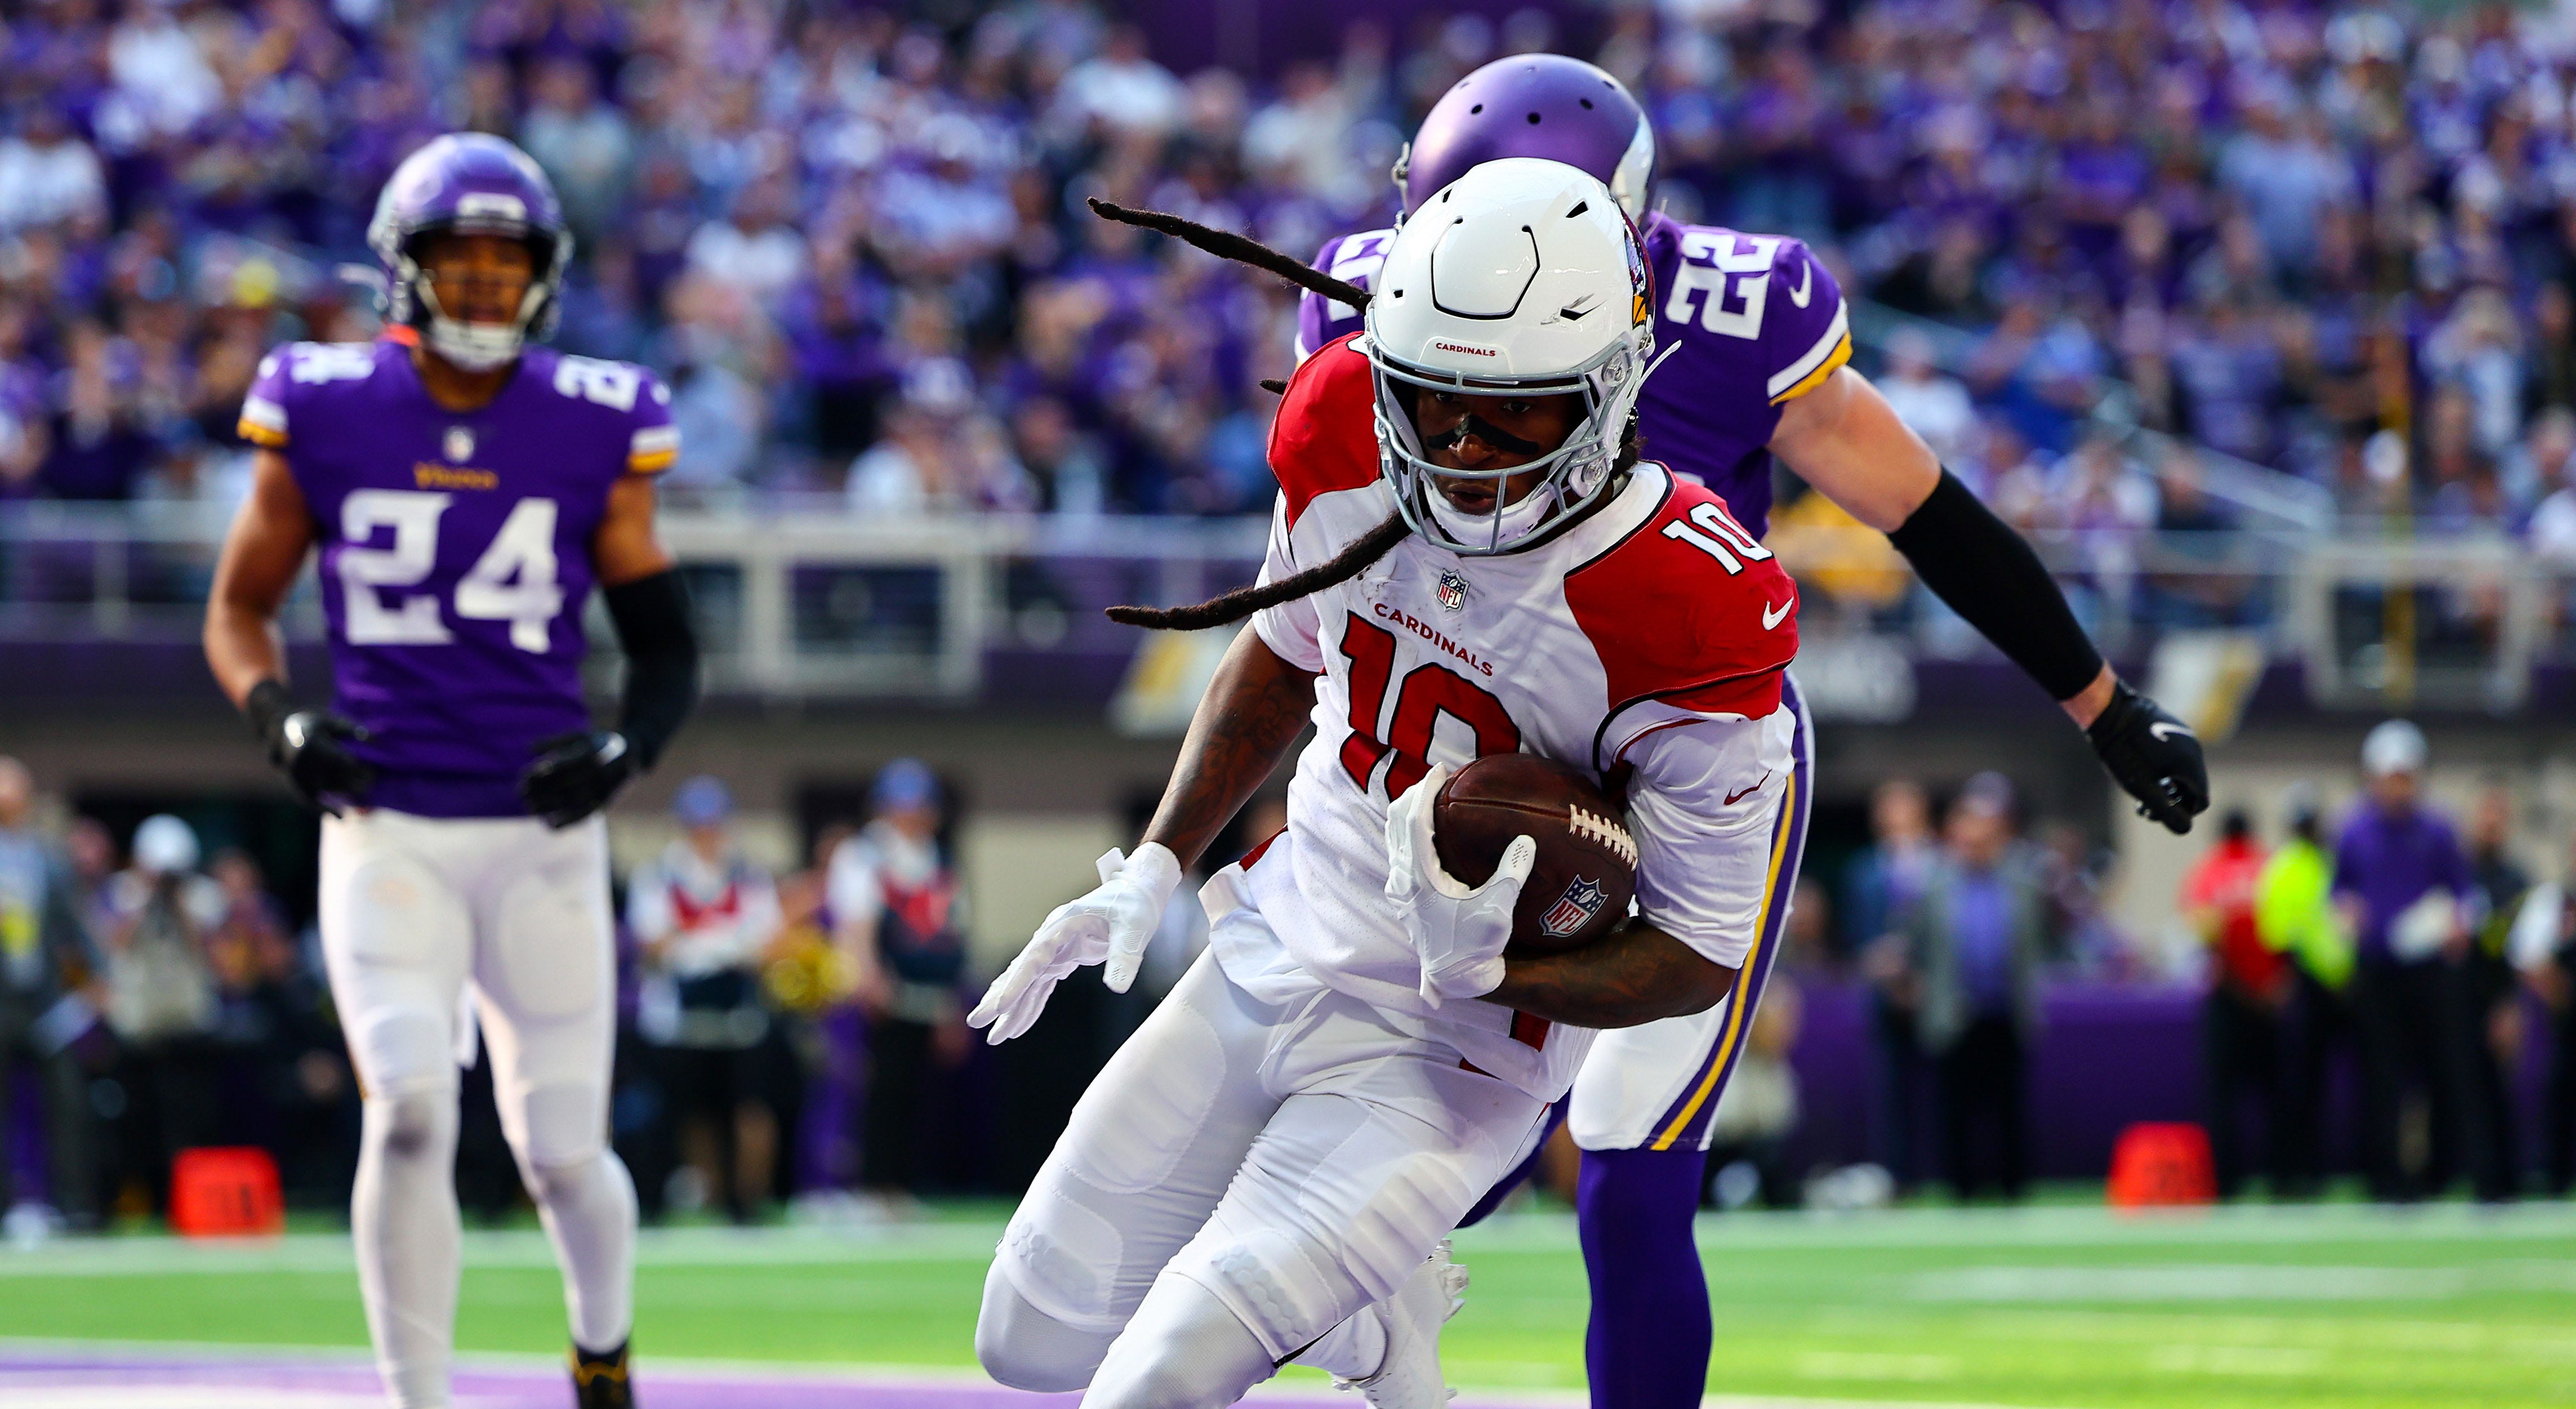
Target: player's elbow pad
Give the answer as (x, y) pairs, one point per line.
(652, 618)
(1988, 574)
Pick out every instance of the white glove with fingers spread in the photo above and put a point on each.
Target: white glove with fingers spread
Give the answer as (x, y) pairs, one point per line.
(1459, 930)
(1112, 924)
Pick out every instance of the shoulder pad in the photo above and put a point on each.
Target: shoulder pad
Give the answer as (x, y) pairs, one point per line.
(1324, 437)
(1689, 609)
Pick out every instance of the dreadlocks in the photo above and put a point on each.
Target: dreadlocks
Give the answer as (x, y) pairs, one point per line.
(1225, 244)
(1234, 606)
(1228, 607)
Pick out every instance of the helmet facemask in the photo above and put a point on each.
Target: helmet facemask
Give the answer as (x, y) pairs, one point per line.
(1572, 476)
(475, 346)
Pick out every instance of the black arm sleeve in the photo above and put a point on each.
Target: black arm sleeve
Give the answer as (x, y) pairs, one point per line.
(652, 617)
(1988, 574)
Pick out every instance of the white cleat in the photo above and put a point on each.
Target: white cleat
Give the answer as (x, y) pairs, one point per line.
(1409, 1377)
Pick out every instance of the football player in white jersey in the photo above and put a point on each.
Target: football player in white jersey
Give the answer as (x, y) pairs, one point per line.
(1467, 557)
(1758, 335)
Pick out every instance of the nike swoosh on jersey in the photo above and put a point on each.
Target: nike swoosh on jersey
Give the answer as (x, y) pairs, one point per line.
(1734, 798)
(1806, 283)
(2166, 729)
(1773, 616)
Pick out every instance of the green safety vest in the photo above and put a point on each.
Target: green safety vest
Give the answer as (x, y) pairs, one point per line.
(2294, 912)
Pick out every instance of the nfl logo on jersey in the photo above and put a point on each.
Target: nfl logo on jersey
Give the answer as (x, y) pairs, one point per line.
(1453, 588)
(459, 445)
(1574, 909)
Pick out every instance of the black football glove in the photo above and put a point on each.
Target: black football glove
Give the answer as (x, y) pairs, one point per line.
(2154, 756)
(576, 774)
(311, 747)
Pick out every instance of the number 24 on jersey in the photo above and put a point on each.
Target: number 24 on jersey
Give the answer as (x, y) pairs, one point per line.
(514, 580)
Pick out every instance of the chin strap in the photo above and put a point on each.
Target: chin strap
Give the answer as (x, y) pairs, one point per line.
(477, 347)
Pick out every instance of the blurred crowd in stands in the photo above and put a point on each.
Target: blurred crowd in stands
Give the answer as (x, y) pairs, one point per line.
(2335, 241)
(780, 1037)
(2383, 991)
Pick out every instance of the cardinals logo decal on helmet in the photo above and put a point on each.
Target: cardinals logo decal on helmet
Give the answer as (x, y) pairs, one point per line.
(1641, 284)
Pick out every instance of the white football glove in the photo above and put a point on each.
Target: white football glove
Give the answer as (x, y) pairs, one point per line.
(1113, 923)
(1459, 930)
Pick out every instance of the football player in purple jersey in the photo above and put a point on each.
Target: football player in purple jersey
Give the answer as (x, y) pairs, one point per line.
(1759, 342)
(465, 491)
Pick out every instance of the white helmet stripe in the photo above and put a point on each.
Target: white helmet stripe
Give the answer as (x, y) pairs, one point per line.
(1636, 171)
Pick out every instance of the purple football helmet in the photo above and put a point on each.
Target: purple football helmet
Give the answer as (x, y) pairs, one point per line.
(470, 183)
(1533, 105)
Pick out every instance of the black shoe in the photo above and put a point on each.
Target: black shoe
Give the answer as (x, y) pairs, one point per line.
(599, 1381)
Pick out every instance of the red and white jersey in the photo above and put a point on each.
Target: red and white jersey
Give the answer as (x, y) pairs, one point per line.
(1652, 636)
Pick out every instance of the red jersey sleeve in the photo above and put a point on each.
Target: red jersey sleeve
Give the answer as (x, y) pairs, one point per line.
(1690, 614)
(1325, 435)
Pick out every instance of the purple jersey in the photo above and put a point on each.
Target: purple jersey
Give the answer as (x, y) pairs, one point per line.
(1758, 320)
(456, 551)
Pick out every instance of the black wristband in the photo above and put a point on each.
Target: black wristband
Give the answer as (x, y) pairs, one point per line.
(1989, 575)
(652, 617)
(266, 706)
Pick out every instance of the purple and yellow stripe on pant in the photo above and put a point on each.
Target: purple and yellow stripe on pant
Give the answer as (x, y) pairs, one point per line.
(1684, 1125)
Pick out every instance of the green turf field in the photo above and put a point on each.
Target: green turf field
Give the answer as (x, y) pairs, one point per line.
(2053, 1306)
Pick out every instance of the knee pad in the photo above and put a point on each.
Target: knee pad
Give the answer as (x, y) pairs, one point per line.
(557, 1126)
(413, 1125)
(405, 1050)
(1026, 1349)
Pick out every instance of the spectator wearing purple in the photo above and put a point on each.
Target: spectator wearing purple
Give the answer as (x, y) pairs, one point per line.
(2406, 889)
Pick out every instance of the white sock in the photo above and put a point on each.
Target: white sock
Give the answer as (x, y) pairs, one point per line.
(1354, 1350)
(403, 1219)
(589, 1213)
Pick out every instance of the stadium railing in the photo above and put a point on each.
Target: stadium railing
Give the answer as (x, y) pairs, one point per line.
(799, 599)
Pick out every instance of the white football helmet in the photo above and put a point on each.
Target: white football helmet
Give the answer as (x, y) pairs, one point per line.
(1522, 277)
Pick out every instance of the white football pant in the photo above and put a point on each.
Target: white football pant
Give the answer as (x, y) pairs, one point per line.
(413, 911)
(1286, 1165)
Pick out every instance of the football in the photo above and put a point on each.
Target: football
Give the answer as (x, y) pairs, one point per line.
(1586, 870)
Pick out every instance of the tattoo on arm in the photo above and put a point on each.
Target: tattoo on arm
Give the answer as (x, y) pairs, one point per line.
(1638, 974)
(1252, 713)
